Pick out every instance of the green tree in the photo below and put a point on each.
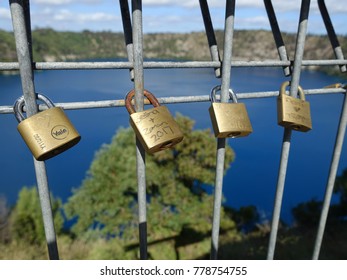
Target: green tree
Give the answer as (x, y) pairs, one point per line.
(4, 214)
(341, 188)
(26, 217)
(179, 207)
(308, 213)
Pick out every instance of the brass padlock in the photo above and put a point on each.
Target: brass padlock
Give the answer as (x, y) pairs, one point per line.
(292, 112)
(155, 128)
(229, 119)
(47, 133)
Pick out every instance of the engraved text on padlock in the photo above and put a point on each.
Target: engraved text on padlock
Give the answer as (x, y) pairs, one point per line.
(229, 119)
(155, 128)
(292, 112)
(47, 133)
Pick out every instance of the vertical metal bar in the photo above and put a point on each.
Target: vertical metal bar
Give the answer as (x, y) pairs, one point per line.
(282, 52)
(220, 155)
(211, 38)
(331, 180)
(140, 153)
(300, 45)
(21, 29)
(279, 193)
(331, 33)
(26, 7)
(127, 28)
(299, 51)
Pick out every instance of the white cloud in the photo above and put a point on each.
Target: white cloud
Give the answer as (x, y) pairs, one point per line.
(5, 13)
(333, 6)
(64, 2)
(64, 15)
(253, 22)
(250, 4)
(158, 2)
(67, 19)
(170, 15)
(280, 4)
(52, 2)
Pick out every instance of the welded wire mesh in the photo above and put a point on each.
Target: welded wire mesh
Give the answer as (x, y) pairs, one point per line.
(133, 34)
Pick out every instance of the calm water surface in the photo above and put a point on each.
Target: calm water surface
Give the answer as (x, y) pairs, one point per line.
(252, 178)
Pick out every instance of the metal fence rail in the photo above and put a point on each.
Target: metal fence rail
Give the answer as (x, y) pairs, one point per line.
(133, 33)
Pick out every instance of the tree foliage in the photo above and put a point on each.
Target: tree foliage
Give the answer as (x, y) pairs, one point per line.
(341, 188)
(178, 204)
(308, 213)
(26, 218)
(4, 214)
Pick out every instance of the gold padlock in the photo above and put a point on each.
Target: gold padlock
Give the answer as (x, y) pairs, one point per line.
(292, 112)
(155, 128)
(47, 133)
(229, 119)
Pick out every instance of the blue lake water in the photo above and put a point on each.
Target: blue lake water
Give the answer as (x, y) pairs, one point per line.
(252, 178)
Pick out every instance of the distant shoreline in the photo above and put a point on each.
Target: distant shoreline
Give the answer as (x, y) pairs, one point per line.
(257, 45)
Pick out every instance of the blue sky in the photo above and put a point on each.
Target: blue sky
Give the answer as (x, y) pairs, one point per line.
(173, 16)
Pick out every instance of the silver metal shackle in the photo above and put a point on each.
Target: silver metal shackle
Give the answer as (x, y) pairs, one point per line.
(19, 105)
(232, 95)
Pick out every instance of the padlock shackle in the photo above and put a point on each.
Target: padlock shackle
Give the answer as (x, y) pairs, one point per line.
(151, 98)
(17, 109)
(19, 105)
(232, 95)
(300, 90)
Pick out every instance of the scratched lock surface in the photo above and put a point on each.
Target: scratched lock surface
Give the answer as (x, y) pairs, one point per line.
(294, 113)
(230, 120)
(156, 129)
(48, 133)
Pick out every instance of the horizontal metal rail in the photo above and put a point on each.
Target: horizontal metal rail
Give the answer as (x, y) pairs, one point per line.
(8, 109)
(165, 64)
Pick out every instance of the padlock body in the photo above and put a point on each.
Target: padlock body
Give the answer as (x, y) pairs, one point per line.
(156, 129)
(230, 120)
(293, 113)
(48, 133)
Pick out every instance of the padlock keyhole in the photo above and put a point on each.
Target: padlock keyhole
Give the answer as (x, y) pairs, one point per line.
(166, 145)
(234, 134)
(296, 127)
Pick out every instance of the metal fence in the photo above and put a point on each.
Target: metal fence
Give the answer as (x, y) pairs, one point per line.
(133, 34)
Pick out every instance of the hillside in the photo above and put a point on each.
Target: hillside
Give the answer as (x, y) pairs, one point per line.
(49, 45)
